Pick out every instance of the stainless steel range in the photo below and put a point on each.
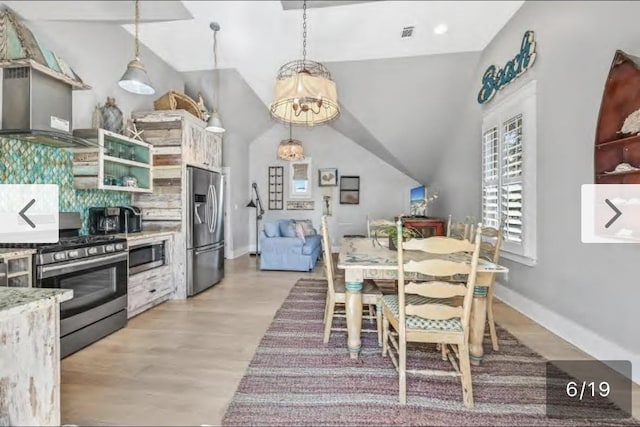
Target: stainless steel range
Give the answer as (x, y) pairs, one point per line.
(96, 269)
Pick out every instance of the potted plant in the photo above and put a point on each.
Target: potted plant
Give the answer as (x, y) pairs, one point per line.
(407, 233)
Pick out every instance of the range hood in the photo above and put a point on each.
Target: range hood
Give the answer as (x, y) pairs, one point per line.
(36, 88)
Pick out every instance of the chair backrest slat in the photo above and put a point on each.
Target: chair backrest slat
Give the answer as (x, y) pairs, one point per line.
(434, 311)
(436, 289)
(328, 258)
(437, 267)
(439, 245)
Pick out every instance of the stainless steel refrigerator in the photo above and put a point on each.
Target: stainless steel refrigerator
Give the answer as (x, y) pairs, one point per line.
(205, 229)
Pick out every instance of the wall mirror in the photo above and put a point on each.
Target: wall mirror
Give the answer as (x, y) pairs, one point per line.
(349, 190)
(300, 179)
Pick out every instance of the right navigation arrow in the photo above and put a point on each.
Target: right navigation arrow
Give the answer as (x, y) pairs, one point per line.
(616, 210)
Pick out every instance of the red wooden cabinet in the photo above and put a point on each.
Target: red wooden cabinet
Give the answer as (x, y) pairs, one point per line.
(427, 227)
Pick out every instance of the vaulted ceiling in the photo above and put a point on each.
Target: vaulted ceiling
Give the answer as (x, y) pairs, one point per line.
(400, 96)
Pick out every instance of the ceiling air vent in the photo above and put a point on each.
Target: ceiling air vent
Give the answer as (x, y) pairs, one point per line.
(407, 32)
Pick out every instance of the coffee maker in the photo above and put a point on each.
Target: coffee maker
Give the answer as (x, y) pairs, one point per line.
(104, 220)
(130, 219)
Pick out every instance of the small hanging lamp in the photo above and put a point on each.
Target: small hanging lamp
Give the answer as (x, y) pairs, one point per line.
(305, 94)
(290, 149)
(135, 78)
(214, 124)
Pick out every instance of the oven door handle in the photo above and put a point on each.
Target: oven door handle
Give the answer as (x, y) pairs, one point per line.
(47, 271)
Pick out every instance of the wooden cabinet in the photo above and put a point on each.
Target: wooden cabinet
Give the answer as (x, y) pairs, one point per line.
(427, 227)
(178, 139)
(201, 148)
(115, 160)
(19, 268)
(617, 155)
(151, 287)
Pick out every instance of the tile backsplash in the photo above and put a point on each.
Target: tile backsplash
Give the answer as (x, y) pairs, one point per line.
(29, 163)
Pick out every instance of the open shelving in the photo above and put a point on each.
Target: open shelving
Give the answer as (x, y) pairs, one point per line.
(18, 270)
(114, 158)
(612, 148)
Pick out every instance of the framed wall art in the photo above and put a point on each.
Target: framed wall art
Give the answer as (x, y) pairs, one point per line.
(300, 179)
(328, 177)
(349, 190)
(276, 184)
(300, 205)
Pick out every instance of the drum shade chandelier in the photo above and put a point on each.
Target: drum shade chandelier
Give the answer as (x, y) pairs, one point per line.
(290, 149)
(305, 94)
(135, 78)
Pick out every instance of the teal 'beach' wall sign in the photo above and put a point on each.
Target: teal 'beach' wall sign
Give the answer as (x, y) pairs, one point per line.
(495, 79)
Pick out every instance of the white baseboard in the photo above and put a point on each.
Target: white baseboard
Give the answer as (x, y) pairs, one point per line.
(238, 252)
(583, 338)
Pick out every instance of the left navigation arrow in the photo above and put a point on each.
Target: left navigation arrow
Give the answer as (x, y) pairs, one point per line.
(26, 218)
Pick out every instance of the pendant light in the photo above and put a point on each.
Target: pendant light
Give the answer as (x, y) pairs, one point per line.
(290, 149)
(135, 79)
(214, 124)
(305, 94)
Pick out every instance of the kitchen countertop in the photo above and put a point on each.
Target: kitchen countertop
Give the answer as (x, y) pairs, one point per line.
(17, 300)
(11, 252)
(146, 234)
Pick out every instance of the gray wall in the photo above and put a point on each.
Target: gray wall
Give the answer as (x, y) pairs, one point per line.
(244, 117)
(384, 191)
(99, 53)
(595, 286)
(412, 106)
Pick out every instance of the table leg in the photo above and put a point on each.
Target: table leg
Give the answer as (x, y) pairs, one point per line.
(353, 307)
(478, 322)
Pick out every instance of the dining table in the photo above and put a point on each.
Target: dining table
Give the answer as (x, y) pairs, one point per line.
(365, 258)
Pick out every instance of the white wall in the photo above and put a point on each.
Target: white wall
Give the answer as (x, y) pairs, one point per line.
(384, 191)
(411, 107)
(99, 53)
(586, 293)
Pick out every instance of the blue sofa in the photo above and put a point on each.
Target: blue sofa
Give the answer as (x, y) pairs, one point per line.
(282, 249)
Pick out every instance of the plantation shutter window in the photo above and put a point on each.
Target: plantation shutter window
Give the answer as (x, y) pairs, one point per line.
(508, 173)
(490, 181)
(511, 186)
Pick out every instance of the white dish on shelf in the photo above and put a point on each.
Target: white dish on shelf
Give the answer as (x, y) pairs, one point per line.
(622, 167)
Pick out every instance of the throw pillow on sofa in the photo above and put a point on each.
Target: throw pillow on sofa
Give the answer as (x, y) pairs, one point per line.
(288, 229)
(271, 229)
(307, 227)
(300, 231)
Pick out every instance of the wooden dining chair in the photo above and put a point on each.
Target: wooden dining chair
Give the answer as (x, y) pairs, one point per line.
(327, 255)
(459, 230)
(435, 311)
(490, 243)
(337, 295)
(378, 230)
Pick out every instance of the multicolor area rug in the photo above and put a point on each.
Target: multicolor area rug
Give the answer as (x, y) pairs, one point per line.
(294, 379)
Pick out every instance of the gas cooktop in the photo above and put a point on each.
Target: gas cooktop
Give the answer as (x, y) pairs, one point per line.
(69, 248)
(67, 243)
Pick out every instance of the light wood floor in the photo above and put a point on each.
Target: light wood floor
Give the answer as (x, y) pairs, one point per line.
(180, 363)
